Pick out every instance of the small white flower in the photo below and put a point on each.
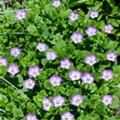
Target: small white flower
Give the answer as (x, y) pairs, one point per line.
(73, 16)
(111, 56)
(107, 74)
(51, 55)
(56, 3)
(41, 47)
(46, 104)
(58, 101)
(93, 14)
(91, 60)
(74, 75)
(107, 99)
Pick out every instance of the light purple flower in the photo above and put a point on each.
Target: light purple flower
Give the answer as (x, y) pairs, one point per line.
(58, 101)
(76, 37)
(29, 83)
(93, 14)
(74, 75)
(87, 78)
(31, 117)
(15, 51)
(65, 63)
(91, 60)
(51, 55)
(34, 71)
(56, 3)
(55, 80)
(76, 100)
(3, 61)
(67, 116)
(111, 56)
(108, 28)
(21, 14)
(107, 99)
(91, 31)
(73, 16)
(47, 104)
(107, 74)
(41, 47)
(13, 69)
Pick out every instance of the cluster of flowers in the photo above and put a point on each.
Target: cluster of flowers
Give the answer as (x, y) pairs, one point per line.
(59, 101)
(65, 63)
(73, 16)
(76, 100)
(55, 80)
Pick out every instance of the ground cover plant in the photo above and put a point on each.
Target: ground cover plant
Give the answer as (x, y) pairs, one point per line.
(59, 60)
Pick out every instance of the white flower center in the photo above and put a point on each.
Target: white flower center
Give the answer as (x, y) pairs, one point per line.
(21, 14)
(30, 84)
(77, 100)
(88, 79)
(107, 100)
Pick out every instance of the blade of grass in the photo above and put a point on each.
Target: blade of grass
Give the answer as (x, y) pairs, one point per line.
(77, 3)
(1, 110)
(6, 81)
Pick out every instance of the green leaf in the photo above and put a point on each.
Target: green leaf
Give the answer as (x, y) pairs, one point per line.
(20, 80)
(31, 108)
(44, 62)
(10, 106)
(115, 103)
(3, 70)
(116, 69)
(47, 85)
(17, 113)
(32, 29)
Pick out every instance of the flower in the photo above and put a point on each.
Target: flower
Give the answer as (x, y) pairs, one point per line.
(29, 83)
(74, 75)
(58, 101)
(111, 56)
(107, 99)
(67, 116)
(55, 80)
(93, 14)
(31, 117)
(47, 103)
(51, 55)
(73, 16)
(91, 60)
(107, 74)
(76, 37)
(108, 28)
(56, 3)
(3, 61)
(20, 14)
(65, 63)
(76, 100)
(87, 78)
(41, 47)
(34, 71)
(15, 51)
(91, 31)
(13, 69)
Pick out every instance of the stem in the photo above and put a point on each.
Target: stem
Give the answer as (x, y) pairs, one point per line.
(9, 11)
(14, 87)
(1, 110)
(16, 33)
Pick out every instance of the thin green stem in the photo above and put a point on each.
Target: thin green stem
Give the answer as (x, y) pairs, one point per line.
(1, 110)
(14, 87)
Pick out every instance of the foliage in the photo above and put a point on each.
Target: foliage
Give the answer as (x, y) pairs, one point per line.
(48, 24)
